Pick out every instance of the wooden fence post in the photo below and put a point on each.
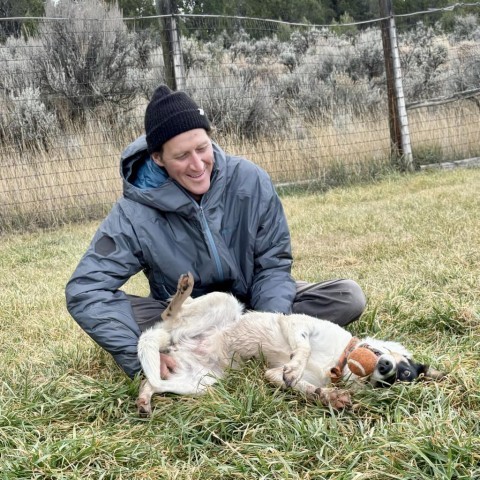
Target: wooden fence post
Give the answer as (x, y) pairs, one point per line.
(401, 148)
(171, 46)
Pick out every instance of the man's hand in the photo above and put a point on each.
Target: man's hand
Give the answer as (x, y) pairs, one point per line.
(167, 366)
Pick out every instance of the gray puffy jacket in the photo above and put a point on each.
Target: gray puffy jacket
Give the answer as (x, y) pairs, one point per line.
(235, 240)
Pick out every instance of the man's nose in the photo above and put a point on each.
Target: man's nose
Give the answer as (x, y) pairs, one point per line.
(196, 161)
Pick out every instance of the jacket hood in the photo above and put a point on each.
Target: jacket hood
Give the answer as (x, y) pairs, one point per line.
(169, 196)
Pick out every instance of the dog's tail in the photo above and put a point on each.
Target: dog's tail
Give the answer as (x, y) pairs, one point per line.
(149, 345)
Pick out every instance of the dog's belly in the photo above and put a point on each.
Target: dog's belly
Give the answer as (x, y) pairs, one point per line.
(262, 337)
(274, 351)
(318, 373)
(199, 356)
(255, 337)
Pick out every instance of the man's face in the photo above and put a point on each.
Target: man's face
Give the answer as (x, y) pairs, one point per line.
(188, 159)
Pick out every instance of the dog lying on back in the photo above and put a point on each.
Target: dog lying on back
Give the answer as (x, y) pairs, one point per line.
(207, 335)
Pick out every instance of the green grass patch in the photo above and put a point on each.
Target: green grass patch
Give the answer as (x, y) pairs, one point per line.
(412, 242)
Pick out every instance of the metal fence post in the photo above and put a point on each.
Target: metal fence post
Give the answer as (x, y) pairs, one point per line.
(171, 45)
(398, 121)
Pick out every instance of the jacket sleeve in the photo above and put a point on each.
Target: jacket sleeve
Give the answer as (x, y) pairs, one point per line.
(93, 296)
(273, 288)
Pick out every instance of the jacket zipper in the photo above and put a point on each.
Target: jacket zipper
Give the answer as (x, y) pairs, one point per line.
(213, 247)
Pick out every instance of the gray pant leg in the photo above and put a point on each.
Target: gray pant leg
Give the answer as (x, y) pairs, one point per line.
(339, 301)
(146, 310)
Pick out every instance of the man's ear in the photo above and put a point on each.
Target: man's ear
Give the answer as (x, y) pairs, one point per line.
(157, 158)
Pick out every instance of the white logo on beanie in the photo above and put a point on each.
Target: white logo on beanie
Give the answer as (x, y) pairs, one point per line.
(201, 112)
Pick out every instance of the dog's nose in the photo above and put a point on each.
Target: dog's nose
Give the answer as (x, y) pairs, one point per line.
(384, 366)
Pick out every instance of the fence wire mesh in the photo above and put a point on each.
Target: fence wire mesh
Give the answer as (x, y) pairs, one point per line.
(307, 103)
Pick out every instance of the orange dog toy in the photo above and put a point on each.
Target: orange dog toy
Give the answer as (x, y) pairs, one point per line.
(362, 362)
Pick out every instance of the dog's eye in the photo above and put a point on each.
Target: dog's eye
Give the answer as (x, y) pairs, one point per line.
(406, 374)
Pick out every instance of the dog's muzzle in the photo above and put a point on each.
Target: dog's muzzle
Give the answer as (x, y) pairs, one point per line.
(385, 372)
(386, 366)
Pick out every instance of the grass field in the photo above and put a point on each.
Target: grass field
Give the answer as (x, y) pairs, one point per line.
(412, 242)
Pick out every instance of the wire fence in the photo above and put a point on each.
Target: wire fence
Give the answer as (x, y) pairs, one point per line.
(307, 103)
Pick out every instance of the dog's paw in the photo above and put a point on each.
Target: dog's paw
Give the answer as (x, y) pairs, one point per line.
(334, 397)
(292, 372)
(144, 407)
(185, 282)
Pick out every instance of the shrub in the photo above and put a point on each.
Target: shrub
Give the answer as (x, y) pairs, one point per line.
(265, 51)
(235, 106)
(466, 28)
(17, 72)
(85, 58)
(288, 58)
(26, 120)
(197, 54)
(465, 67)
(241, 44)
(465, 64)
(329, 79)
(145, 80)
(424, 58)
(366, 59)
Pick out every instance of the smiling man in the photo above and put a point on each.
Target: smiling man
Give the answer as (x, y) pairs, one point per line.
(187, 206)
(188, 160)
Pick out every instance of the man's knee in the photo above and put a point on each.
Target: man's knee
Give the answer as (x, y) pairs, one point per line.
(357, 301)
(340, 301)
(146, 311)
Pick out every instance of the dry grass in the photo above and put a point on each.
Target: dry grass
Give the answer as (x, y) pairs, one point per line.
(412, 242)
(446, 133)
(78, 179)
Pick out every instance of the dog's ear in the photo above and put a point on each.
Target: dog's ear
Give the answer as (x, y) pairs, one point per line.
(429, 373)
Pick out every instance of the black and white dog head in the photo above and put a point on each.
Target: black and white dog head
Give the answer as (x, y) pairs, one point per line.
(395, 364)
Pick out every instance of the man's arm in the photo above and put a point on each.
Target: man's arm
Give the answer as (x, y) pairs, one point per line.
(93, 296)
(273, 288)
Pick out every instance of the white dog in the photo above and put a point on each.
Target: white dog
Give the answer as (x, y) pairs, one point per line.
(207, 335)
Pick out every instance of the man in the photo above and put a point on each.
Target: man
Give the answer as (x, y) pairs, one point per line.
(188, 206)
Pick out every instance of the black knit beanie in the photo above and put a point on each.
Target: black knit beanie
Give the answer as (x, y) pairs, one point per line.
(170, 113)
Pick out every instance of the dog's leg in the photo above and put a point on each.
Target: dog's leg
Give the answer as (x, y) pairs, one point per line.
(184, 289)
(296, 330)
(150, 343)
(144, 400)
(334, 397)
(276, 376)
(183, 385)
(433, 374)
(158, 338)
(180, 385)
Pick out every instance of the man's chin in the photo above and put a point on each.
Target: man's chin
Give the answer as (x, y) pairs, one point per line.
(197, 190)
